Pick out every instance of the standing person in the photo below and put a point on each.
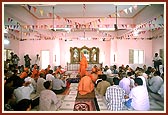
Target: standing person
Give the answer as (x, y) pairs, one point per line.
(157, 60)
(83, 65)
(27, 61)
(15, 61)
(37, 61)
(115, 96)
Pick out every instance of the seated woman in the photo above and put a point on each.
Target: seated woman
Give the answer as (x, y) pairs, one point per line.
(58, 86)
(85, 85)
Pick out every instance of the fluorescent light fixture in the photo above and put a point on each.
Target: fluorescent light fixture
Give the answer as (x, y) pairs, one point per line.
(136, 33)
(5, 30)
(106, 29)
(61, 29)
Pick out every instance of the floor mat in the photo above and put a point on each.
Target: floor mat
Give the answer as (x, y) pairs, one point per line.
(86, 105)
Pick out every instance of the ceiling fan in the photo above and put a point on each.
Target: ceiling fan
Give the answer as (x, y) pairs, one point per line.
(116, 24)
(115, 27)
(54, 29)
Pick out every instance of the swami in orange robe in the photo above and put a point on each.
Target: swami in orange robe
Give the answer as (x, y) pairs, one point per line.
(85, 85)
(83, 65)
(24, 74)
(35, 72)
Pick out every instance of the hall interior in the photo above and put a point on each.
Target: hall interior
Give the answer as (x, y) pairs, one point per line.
(120, 33)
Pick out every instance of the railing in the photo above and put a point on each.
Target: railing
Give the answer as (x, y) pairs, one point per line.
(75, 66)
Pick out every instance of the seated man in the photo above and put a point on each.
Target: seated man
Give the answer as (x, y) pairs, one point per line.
(138, 97)
(60, 71)
(48, 99)
(103, 85)
(115, 96)
(85, 85)
(58, 86)
(155, 82)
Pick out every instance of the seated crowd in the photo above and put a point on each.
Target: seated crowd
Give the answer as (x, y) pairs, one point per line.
(121, 87)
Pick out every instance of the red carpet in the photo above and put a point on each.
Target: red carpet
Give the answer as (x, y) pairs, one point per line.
(86, 102)
(84, 105)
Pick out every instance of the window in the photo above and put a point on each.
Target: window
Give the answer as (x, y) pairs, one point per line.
(7, 54)
(136, 56)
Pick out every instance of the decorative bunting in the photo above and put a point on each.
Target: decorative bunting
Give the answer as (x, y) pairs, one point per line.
(34, 8)
(130, 9)
(41, 12)
(125, 10)
(135, 7)
(29, 7)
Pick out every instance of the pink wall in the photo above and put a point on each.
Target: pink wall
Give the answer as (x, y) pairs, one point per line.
(123, 46)
(34, 47)
(62, 49)
(107, 49)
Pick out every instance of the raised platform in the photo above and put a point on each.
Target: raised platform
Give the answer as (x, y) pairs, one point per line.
(75, 66)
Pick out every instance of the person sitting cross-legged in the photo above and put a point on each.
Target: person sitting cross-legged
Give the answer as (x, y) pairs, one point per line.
(103, 85)
(85, 85)
(138, 98)
(48, 99)
(114, 96)
(58, 85)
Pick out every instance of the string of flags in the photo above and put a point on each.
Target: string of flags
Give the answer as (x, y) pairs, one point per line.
(151, 23)
(90, 25)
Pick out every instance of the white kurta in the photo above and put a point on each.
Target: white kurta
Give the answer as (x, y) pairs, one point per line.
(125, 84)
(48, 101)
(140, 98)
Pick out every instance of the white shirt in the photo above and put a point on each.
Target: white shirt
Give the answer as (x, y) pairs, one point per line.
(107, 72)
(131, 83)
(48, 101)
(140, 98)
(49, 77)
(40, 85)
(161, 68)
(125, 84)
(144, 81)
(161, 91)
(157, 58)
(57, 84)
(23, 92)
(155, 83)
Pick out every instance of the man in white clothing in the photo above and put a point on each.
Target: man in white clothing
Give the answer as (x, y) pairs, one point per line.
(155, 82)
(139, 97)
(49, 76)
(125, 83)
(157, 60)
(40, 82)
(24, 91)
(107, 70)
(48, 99)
